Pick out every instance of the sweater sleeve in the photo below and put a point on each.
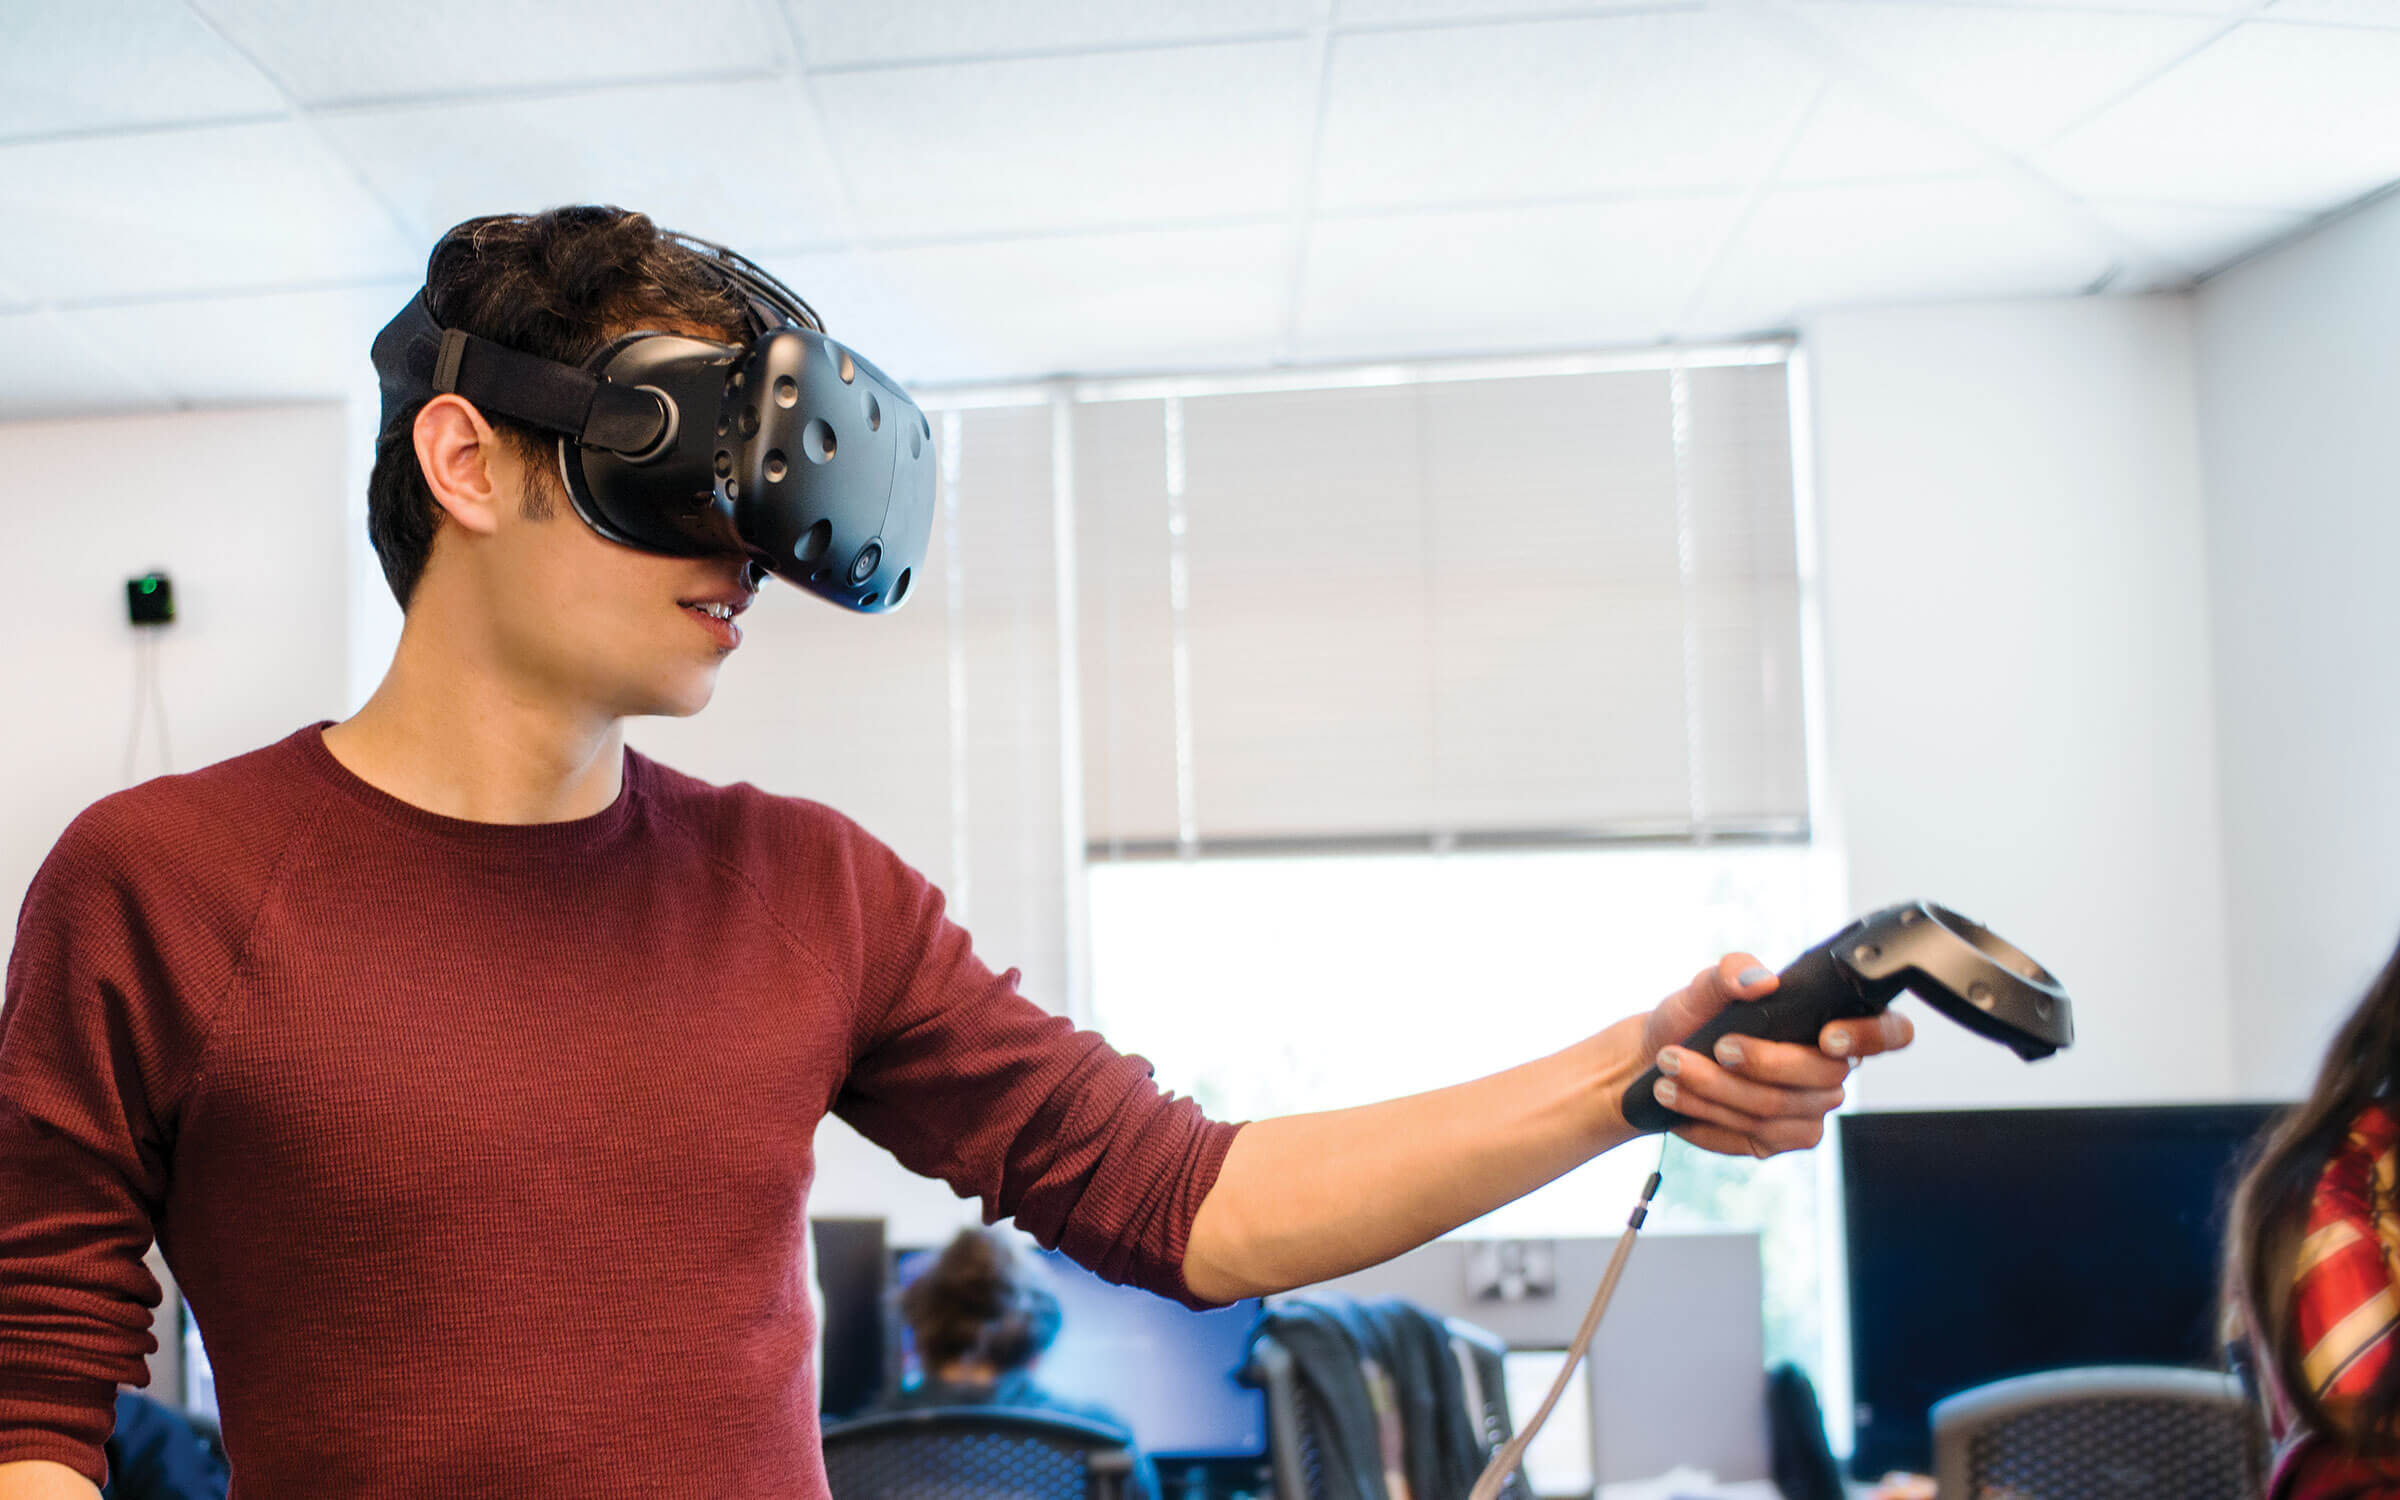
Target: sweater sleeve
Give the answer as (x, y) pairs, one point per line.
(90, 1038)
(962, 1078)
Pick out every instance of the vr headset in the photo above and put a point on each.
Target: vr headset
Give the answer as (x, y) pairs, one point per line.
(789, 450)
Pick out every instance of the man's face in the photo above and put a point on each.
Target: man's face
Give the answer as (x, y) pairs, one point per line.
(594, 625)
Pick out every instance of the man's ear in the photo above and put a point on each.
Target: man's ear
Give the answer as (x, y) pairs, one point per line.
(457, 450)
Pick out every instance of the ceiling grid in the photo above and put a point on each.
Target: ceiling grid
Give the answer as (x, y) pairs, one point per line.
(984, 192)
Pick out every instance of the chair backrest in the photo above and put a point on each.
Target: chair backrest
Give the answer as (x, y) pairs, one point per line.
(2113, 1432)
(976, 1453)
(1483, 1372)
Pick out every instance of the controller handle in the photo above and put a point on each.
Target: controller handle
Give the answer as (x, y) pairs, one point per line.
(1956, 964)
(1813, 991)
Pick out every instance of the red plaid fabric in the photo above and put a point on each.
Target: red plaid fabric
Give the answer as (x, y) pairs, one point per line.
(2346, 1311)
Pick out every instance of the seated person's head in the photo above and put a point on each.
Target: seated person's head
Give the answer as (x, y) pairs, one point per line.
(974, 1314)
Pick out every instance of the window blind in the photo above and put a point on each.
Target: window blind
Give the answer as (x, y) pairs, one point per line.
(1553, 608)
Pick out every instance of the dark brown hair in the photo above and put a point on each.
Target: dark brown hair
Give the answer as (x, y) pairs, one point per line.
(974, 1302)
(560, 284)
(2271, 1210)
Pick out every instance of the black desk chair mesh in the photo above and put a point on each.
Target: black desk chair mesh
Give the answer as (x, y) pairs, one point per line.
(976, 1453)
(2096, 1434)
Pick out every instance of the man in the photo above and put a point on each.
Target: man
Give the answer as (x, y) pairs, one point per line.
(465, 1065)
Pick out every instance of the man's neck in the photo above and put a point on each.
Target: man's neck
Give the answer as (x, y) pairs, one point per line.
(455, 739)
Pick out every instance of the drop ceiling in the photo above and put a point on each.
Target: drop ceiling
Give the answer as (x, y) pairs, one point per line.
(209, 201)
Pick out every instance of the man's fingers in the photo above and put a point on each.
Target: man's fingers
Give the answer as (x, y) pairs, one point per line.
(1888, 1032)
(1770, 1140)
(1698, 1081)
(1784, 1064)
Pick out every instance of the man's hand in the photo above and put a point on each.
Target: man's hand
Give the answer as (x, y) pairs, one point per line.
(1753, 1097)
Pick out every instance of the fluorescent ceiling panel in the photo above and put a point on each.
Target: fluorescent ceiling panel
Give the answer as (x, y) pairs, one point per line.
(660, 149)
(212, 209)
(112, 64)
(50, 369)
(328, 54)
(2015, 77)
(1810, 248)
(1100, 140)
(840, 33)
(1557, 276)
(1853, 135)
(285, 346)
(1099, 303)
(2302, 118)
(1680, 101)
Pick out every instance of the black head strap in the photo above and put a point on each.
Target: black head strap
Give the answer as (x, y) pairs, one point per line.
(418, 359)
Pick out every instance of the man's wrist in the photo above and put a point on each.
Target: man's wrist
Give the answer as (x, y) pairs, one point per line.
(1611, 1060)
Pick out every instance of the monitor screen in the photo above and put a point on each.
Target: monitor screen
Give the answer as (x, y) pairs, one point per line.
(1166, 1372)
(1986, 1244)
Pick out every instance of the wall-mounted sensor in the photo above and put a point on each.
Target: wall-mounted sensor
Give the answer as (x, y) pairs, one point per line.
(150, 600)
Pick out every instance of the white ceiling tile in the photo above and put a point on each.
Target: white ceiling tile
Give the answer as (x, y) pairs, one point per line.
(842, 32)
(2015, 77)
(290, 346)
(49, 369)
(1114, 139)
(1404, 12)
(2194, 241)
(2337, 12)
(1681, 101)
(661, 150)
(1805, 249)
(333, 54)
(1553, 276)
(2303, 118)
(1095, 303)
(111, 64)
(1851, 135)
(221, 207)
(866, 309)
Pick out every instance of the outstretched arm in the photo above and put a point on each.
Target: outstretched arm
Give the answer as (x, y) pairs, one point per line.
(41, 1480)
(1307, 1197)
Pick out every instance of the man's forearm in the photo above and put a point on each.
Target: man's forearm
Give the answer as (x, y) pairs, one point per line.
(1307, 1197)
(39, 1479)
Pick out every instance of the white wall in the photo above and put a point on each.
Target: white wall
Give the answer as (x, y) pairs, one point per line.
(2300, 424)
(2017, 673)
(242, 509)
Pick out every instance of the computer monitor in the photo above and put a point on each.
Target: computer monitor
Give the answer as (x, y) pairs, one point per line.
(1990, 1243)
(1168, 1373)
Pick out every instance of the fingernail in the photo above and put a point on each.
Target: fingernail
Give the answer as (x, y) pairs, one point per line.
(1854, 1062)
(1729, 1052)
(1666, 1092)
(1891, 1027)
(1838, 1044)
(1670, 1062)
(1755, 974)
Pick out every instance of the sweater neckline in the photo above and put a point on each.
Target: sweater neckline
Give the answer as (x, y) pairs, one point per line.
(541, 840)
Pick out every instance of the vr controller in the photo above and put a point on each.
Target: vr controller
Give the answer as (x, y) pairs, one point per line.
(1955, 964)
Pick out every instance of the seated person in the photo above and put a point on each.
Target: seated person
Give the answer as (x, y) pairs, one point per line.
(155, 1453)
(2313, 1269)
(980, 1325)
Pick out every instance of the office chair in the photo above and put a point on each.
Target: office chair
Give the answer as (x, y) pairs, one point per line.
(977, 1452)
(2109, 1432)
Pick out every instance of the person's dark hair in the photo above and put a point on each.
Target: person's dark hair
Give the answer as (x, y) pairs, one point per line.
(561, 284)
(975, 1302)
(2271, 1211)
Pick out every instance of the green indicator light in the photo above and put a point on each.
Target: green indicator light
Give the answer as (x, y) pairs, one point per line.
(149, 585)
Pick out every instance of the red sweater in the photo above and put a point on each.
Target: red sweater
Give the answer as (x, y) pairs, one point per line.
(482, 1153)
